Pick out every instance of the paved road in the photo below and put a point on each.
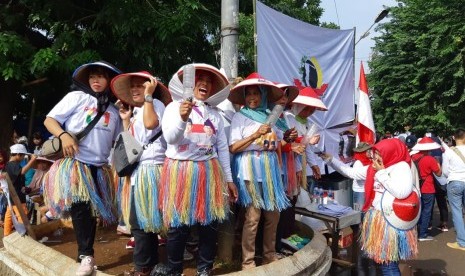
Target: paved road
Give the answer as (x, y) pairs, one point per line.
(435, 257)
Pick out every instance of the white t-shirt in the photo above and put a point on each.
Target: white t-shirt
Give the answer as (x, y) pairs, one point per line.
(302, 131)
(155, 152)
(74, 112)
(195, 139)
(242, 127)
(357, 172)
(453, 166)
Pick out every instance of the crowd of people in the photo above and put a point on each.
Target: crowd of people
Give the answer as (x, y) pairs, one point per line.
(197, 161)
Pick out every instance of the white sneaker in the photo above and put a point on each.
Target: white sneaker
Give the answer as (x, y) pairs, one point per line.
(123, 230)
(87, 266)
(428, 238)
(187, 256)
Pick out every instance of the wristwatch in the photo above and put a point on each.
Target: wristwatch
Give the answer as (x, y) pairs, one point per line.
(148, 98)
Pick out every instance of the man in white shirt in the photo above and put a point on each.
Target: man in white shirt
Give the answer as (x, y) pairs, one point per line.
(453, 167)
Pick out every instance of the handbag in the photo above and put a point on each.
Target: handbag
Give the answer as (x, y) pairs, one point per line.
(402, 214)
(127, 152)
(51, 149)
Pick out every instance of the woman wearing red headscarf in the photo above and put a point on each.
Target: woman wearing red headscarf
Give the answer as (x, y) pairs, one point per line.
(382, 240)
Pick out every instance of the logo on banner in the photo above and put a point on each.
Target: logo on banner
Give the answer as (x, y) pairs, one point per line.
(311, 75)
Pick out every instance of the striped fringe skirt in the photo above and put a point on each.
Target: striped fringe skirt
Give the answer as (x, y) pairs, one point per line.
(193, 192)
(70, 181)
(145, 178)
(289, 174)
(384, 243)
(268, 194)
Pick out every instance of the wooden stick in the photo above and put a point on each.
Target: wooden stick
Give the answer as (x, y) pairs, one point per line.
(17, 203)
(343, 262)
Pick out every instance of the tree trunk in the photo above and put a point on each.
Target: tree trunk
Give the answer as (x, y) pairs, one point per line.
(7, 100)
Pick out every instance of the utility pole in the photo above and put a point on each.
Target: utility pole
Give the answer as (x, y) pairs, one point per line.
(229, 57)
(229, 37)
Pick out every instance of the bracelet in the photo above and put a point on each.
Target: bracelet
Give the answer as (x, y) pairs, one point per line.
(64, 132)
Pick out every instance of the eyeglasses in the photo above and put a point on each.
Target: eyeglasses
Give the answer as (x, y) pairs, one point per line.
(370, 154)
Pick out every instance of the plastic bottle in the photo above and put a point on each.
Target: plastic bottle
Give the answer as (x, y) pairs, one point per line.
(274, 115)
(325, 197)
(320, 195)
(315, 196)
(188, 82)
(330, 194)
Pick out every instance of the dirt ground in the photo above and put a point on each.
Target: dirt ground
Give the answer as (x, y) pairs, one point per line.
(112, 257)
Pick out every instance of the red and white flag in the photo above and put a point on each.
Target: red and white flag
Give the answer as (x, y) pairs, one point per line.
(366, 127)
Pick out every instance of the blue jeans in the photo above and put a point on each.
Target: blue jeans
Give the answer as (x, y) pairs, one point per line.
(427, 201)
(358, 198)
(390, 269)
(456, 196)
(176, 243)
(3, 205)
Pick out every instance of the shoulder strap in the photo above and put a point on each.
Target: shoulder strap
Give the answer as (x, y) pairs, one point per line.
(456, 150)
(89, 127)
(417, 165)
(153, 139)
(196, 109)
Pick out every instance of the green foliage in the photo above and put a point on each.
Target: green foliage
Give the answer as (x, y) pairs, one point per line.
(14, 51)
(417, 70)
(47, 40)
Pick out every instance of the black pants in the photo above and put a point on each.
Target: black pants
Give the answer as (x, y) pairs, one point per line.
(85, 226)
(441, 200)
(442, 203)
(84, 223)
(176, 243)
(145, 253)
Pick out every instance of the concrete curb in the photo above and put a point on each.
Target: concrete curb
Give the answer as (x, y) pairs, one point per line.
(36, 258)
(314, 259)
(25, 256)
(10, 266)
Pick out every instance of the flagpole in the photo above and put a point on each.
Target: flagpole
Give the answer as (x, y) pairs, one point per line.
(353, 66)
(255, 34)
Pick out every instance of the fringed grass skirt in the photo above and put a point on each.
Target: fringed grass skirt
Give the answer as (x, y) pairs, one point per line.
(193, 192)
(145, 178)
(384, 243)
(268, 194)
(70, 181)
(289, 174)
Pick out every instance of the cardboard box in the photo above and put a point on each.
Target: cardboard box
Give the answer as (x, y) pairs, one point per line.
(346, 237)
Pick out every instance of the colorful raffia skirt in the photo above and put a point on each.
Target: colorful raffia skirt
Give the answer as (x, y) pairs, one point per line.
(303, 162)
(193, 192)
(145, 178)
(70, 181)
(268, 194)
(289, 173)
(384, 243)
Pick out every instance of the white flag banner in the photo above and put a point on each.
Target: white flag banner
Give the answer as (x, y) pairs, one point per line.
(294, 52)
(289, 50)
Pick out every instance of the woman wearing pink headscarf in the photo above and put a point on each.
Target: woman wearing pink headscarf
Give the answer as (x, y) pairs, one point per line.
(381, 240)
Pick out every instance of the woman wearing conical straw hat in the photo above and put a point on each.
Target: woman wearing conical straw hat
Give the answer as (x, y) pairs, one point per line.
(196, 178)
(143, 99)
